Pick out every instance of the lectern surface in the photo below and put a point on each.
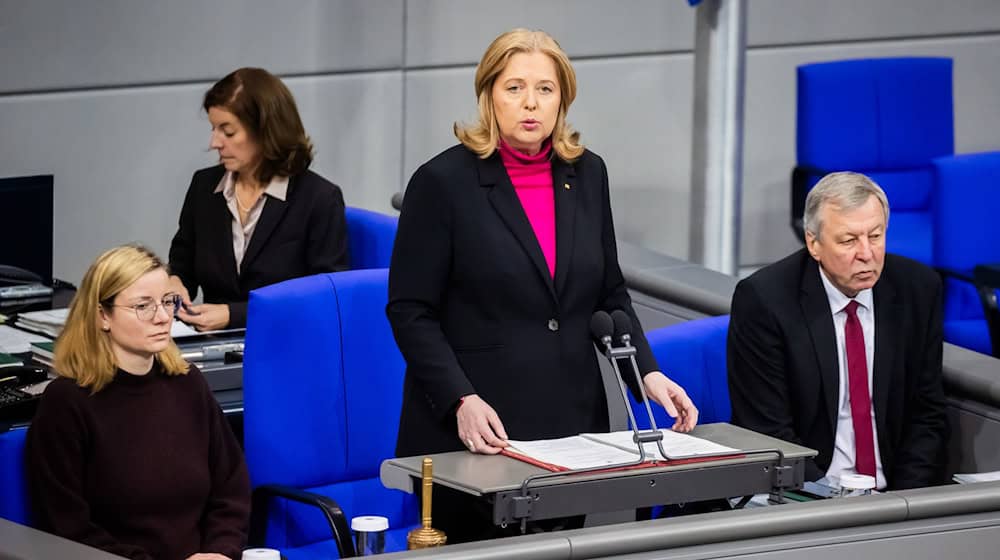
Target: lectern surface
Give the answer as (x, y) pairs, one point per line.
(488, 474)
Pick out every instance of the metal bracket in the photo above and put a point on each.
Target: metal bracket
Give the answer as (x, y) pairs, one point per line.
(784, 476)
(521, 507)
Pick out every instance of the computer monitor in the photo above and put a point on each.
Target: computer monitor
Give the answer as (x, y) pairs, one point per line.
(26, 224)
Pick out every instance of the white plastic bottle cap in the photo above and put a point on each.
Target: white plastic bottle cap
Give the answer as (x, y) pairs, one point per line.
(369, 523)
(261, 554)
(857, 481)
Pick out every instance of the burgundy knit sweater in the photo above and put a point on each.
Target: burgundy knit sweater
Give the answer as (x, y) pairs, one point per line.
(146, 468)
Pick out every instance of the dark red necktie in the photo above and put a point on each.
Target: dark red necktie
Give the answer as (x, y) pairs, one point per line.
(861, 403)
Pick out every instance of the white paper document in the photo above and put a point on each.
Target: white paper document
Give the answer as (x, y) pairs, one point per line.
(51, 322)
(573, 452)
(675, 444)
(607, 450)
(16, 341)
(967, 478)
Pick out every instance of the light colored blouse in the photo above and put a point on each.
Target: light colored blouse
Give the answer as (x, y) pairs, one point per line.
(242, 232)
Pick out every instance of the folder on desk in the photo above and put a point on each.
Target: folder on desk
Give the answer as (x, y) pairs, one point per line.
(6, 360)
(587, 451)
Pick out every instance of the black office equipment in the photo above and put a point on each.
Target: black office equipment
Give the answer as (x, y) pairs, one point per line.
(26, 228)
(20, 389)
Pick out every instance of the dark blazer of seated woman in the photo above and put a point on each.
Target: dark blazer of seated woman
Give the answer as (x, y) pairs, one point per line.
(304, 234)
(261, 216)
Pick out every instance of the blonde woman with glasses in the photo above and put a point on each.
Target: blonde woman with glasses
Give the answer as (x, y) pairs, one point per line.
(129, 452)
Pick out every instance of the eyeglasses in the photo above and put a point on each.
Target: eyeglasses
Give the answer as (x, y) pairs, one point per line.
(146, 310)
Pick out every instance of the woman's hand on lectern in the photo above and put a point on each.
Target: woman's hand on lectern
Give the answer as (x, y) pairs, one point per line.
(673, 398)
(479, 427)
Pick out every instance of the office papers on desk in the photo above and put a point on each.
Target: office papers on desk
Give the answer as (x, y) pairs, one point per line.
(569, 453)
(613, 449)
(675, 444)
(48, 322)
(16, 341)
(181, 330)
(969, 478)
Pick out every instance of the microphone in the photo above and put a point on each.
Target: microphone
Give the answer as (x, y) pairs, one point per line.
(623, 326)
(601, 327)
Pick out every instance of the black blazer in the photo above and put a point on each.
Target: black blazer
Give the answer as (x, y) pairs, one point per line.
(302, 235)
(474, 308)
(783, 365)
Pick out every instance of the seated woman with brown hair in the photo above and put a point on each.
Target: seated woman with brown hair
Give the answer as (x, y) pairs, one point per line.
(129, 451)
(260, 216)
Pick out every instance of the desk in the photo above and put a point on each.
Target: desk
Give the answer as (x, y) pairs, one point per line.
(499, 479)
(21, 542)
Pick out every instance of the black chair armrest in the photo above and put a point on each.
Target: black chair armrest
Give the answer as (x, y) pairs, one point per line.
(335, 517)
(800, 186)
(962, 275)
(985, 278)
(987, 275)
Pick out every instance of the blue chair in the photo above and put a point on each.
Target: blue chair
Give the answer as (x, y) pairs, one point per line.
(322, 385)
(967, 235)
(886, 118)
(694, 355)
(370, 236)
(14, 497)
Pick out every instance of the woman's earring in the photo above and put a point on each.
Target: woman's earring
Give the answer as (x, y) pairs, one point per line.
(106, 328)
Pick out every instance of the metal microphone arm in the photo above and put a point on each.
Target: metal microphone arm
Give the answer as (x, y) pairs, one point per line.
(653, 434)
(609, 351)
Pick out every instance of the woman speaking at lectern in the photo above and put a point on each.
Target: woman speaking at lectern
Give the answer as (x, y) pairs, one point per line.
(504, 251)
(260, 216)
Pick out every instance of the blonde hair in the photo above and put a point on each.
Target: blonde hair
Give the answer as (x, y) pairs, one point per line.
(483, 136)
(83, 351)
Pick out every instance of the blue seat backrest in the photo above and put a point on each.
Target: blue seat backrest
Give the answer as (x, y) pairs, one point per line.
(887, 118)
(966, 234)
(694, 355)
(14, 502)
(370, 236)
(322, 391)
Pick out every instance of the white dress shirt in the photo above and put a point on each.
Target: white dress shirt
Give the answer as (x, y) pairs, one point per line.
(842, 461)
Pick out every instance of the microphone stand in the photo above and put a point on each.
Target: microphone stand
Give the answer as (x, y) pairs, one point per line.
(639, 437)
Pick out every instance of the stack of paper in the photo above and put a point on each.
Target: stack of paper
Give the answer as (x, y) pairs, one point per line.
(967, 478)
(49, 322)
(16, 341)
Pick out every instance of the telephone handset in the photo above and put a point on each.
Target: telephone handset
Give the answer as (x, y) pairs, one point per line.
(17, 275)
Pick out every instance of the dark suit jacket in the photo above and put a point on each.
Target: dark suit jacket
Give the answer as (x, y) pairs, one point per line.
(783, 365)
(302, 235)
(474, 308)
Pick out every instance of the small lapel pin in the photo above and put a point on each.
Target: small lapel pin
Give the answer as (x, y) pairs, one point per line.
(566, 186)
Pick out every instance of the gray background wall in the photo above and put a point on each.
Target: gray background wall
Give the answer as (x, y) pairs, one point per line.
(105, 95)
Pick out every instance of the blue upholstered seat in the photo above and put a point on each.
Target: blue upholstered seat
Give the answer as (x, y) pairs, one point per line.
(322, 384)
(694, 355)
(14, 503)
(966, 234)
(886, 118)
(370, 236)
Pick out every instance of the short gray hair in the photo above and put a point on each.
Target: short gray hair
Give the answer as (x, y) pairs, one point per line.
(844, 189)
